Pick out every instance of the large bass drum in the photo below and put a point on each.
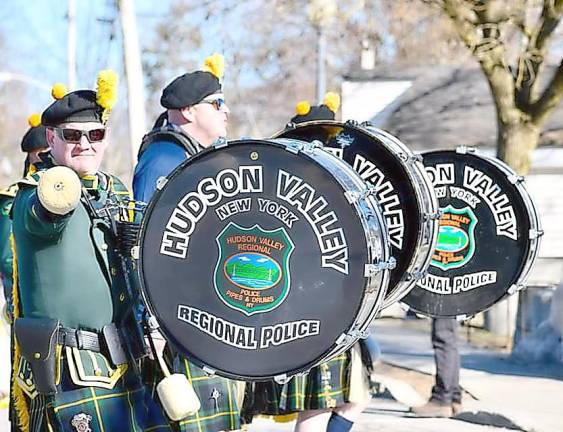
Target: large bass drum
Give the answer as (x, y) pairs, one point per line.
(488, 238)
(261, 259)
(401, 186)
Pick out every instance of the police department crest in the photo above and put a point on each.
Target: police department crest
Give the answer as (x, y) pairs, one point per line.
(456, 238)
(81, 422)
(252, 274)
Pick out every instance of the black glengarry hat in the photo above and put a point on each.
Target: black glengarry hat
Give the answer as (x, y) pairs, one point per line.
(192, 87)
(325, 111)
(34, 138)
(83, 105)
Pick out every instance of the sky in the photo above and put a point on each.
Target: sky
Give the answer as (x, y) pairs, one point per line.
(33, 37)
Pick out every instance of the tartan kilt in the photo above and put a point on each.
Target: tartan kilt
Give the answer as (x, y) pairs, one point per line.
(323, 387)
(126, 406)
(218, 396)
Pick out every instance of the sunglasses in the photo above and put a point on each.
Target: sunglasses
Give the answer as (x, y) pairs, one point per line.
(217, 103)
(75, 135)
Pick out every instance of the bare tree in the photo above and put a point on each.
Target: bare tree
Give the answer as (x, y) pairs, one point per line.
(510, 39)
(271, 55)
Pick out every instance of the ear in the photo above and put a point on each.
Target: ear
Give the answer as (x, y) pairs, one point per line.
(188, 113)
(50, 135)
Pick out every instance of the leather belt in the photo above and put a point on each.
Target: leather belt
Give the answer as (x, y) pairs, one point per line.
(81, 339)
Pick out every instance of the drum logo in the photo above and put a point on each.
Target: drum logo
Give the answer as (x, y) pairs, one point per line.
(456, 238)
(252, 271)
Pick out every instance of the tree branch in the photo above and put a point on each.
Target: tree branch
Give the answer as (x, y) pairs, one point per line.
(530, 61)
(549, 99)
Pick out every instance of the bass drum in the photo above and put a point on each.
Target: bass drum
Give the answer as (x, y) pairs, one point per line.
(488, 238)
(401, 186)
(261, 259)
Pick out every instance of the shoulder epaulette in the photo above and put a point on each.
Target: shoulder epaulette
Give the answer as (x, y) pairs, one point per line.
(10, 191)
(31, 179)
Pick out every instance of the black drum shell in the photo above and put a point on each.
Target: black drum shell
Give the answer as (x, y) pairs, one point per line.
(508, 257)
(324, 295)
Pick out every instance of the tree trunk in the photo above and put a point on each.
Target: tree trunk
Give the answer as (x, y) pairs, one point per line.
(516, 141)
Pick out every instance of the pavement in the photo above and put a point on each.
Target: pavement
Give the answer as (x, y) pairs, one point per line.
(500, 395)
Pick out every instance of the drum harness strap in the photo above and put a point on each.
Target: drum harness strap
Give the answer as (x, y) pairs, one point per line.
(170, 133)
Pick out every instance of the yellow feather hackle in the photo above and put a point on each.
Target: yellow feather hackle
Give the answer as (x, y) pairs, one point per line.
(332, 101)
(302, 108)
(106, 91)
(34, 120)
(58, 91)
(215, 64)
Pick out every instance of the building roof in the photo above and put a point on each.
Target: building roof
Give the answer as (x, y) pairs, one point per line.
(445, 107)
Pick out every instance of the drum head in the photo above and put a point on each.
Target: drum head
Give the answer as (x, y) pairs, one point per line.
(377, 164)
(483, 243)
(252, 260)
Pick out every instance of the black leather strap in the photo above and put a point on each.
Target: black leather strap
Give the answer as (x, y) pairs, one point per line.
(81, 339)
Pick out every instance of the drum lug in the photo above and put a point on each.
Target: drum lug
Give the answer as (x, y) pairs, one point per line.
(534, 234)
(209, 371)
(290, 125)
(310, 147)
(464, 149)
(282, 379)
(371, 270)
(432, 216)
(414, 158)
(135, 252)
(351, 122)
(352, 196)
(463, 317)
(515, 178)
(161, 182)
(220, 143)
(353, 335)
(414, 276)
(515, 288)
(294, 147)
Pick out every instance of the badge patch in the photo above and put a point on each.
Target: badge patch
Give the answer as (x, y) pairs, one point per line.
(456, 238)
(81, 422)
(252, 272)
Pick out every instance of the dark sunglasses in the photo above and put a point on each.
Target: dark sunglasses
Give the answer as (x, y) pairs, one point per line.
(217, 103)
(75, 135)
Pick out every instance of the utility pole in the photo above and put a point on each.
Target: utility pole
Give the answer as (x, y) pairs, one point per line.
(71, 45)
(321, 13)
(134, 76)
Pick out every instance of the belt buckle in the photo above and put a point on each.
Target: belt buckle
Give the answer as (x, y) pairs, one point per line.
(79, 339)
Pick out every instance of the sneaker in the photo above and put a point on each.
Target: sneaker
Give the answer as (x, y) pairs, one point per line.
(432, 409)
(457, 408)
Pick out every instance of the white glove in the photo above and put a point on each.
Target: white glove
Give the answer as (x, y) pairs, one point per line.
(59, 190)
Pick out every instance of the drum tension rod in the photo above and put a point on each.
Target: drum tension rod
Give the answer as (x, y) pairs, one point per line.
(220, 143)
(515, 288)
(372, 269)
(534, 234)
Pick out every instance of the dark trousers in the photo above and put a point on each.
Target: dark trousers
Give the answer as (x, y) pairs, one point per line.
(444, 341)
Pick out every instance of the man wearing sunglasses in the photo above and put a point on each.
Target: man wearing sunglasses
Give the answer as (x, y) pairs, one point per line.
(196, 116)
(78, 341)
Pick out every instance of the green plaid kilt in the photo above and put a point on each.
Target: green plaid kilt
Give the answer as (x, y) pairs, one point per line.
(323, 387)
(127, 406)
(218, 396)
(219, 407)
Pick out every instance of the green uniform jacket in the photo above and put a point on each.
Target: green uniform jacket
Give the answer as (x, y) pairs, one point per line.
(6, 259)
(65, 263)
(69, 270)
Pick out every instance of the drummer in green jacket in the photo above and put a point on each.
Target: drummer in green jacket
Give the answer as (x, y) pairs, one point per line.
(78, 341)
(33, 143)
